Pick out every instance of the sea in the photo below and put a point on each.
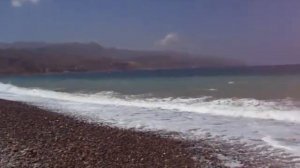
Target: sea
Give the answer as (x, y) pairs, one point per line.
(255, 107)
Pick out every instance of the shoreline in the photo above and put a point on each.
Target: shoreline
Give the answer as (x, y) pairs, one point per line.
(280, 69)
(32, 137)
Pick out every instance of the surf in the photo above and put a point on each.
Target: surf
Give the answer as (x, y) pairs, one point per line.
(280, 110)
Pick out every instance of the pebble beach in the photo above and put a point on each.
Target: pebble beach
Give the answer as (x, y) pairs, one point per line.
(33, 137)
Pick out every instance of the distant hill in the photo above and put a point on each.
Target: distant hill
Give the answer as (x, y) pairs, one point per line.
(39, 57)
(23, 45)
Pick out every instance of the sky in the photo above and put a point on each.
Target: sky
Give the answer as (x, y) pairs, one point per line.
(255, 31)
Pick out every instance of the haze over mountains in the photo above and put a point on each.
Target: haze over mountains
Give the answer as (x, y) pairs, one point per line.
(41, 57)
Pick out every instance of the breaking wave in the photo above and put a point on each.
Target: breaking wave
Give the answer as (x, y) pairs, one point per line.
(281, 110)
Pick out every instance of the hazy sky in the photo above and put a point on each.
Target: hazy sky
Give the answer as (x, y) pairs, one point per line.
(258, 31)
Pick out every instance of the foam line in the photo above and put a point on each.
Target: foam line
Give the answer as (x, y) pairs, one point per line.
(248, 108)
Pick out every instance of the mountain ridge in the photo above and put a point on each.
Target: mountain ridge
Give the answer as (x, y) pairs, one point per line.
(41, 57)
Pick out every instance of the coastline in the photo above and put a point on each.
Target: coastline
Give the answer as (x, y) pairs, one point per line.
(32, 137)
(283, 69)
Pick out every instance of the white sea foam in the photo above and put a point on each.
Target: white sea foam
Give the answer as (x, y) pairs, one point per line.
(248, 108)
(269, 140)
(251, 119)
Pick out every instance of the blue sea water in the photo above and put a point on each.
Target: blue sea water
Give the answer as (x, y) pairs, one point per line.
(255, 107)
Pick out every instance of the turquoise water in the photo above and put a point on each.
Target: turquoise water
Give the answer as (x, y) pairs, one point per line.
(268, 87)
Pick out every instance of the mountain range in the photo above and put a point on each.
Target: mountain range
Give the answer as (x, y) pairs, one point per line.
(41, 57)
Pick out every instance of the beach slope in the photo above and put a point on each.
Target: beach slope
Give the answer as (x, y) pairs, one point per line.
(31, 137)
